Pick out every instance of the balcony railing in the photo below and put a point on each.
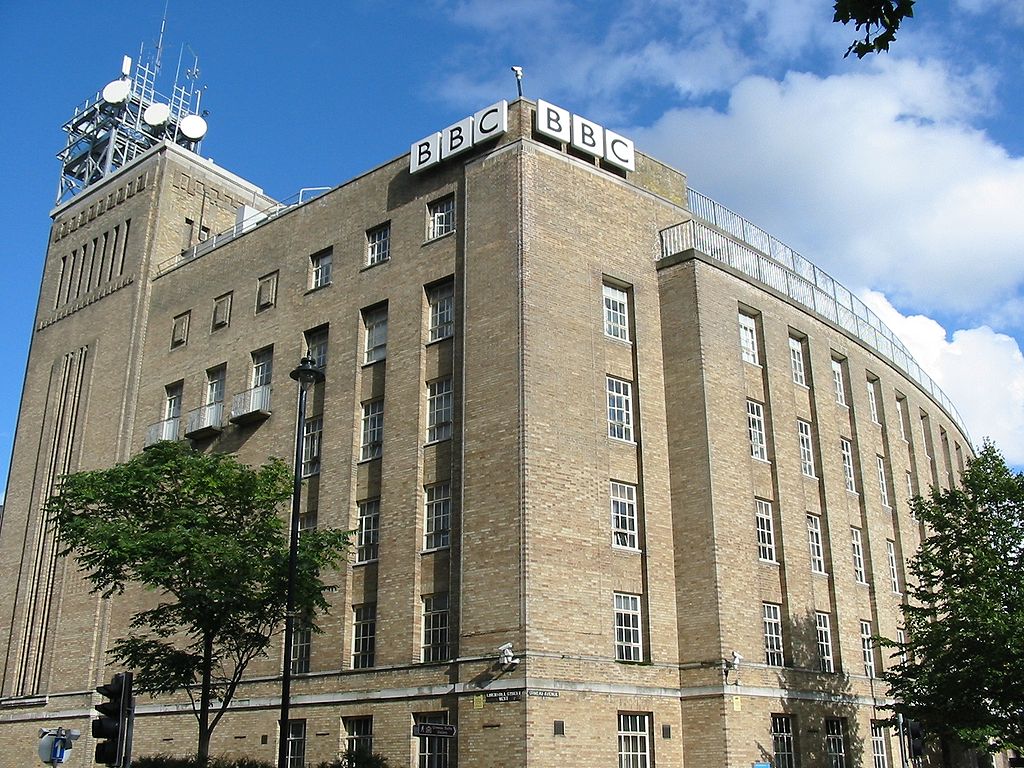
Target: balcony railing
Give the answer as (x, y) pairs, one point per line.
(251, 405)
(162, 430)
(205, 420)
(736, 242)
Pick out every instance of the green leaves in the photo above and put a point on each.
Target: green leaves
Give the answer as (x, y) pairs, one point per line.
(879, 19)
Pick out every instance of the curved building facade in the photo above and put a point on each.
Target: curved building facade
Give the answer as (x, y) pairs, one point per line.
(570, 406)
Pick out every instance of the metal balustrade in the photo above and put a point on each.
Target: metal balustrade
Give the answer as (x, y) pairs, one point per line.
(251, 405)
(206, 419)
(161, 430)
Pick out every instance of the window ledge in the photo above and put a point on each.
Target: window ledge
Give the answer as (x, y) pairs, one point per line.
(439, 237)
(374, 362)
(438, 341)
(430, 443)
(432, 550)
(627, 550)
(621, 440)
(361, 563)
(375, 264)
(319, 287)
(367, 461)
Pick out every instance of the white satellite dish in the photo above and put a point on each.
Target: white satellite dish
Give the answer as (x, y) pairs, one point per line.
(192, 127)
(156, 114)
(117, 91)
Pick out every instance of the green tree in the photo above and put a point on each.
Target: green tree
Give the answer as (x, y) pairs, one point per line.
(878, 19)
(202, 533)
(963, 672)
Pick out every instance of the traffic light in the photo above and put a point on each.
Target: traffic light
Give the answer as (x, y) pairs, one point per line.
(113, 728)
(915, 735)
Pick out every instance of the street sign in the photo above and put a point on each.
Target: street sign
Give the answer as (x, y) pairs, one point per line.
(55, 744)
(443, 730)
(515, 694)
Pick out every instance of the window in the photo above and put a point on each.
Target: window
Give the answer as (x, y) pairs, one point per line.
(806, 447)
(883, 488)
(838, 381)
(320, 269)
(378, 244)
(894, 572)
(173, 394)
(221, 311)
(262, 367)
(755, 430)
(628, 641)
(901, 639)
(359, 734)
(364, 635)
(316, 346)
(620, 409)
(433, 750)
(372, 442)
(867, 648)
(873, 399)
(296, 746)
(858, 556)
(910, 486)
(438, 515)
(375, 323)
(435, 627)
(616, 313)
(765, 531)
(847, 450)
(623, 504)
(796, 361)
(307, 521)
(441, 217)
(302, 637)
(823, 626)
(879, 753)
(904, 415)
(634, 740)
(368, 532)
(311, 444)
(748, 338)
(215, 386)
(179, 330)
(782, 741)
(266, 292)
(814, 542)
(772, 614)
(835, 742)
(442, 314)
(439, 410)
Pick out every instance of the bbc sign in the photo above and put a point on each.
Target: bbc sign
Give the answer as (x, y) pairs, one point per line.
(488, 123)
(585, 135)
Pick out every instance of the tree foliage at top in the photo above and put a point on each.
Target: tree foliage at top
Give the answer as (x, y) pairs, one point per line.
(964, 669)
(878, 19)
(202, 533)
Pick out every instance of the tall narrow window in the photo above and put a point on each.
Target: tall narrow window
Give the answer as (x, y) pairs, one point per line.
(214, 411)
(879, 751)
(634, 740)
(266, 292)
(172, 410)
(772, 614)
(435, 627)
(440, 300)
(873, 399)
(796, 361)
(806, 447)
(302, 637)
(320, 269)
(441, 217)
(904, 415)
(620, 409)
(372, 443)
(910, 486)
(765, 530)
(814, 542)
(748, 338)
(378, 244)
(364, 635)
(296, 747)
(439, 410)
(179, 330)
(368, 532)
(755, 430)
(628, 639)
(316, 346)
(375, 324)
(867, 647)
(623, 503)
(432, 750)
(616, 313)
(835, 742)
(222, 311)
(838, 381)
(262, 373)
(782, 741)
(359, 734)
(883, 486)
(438, 515)
(823, 626)
(846, 448)
(312, 440)
(858, 556)
(894, 572)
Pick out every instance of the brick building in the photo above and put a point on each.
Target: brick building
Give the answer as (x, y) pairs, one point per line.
(570, 404)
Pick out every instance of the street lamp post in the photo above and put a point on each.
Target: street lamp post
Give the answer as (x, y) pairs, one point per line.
(307, 374)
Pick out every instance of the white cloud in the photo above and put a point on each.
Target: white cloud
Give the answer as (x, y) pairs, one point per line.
(981, 371)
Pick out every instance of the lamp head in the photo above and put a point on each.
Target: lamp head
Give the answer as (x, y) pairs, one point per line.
(307, 373)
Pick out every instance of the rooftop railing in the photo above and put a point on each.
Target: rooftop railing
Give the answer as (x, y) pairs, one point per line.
(733, 240)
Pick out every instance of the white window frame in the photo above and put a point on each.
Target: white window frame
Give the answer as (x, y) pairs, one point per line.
(796, 361)
(316, 346)
(814, 543)
(441, 300)
(873, 400)
(359, 733)
(748, 338)
(616, 312)
(620, 409)
(435, 627)
(378, 244)
(835, 742)
(432, 751)
(441, 217)
(857, 546)
(883, 486)
(321, 265)
(910, 486)
(879, 749)
(846, 450)
(437, 516)
(901, 408)
(867, 648)
(894, 572)
(764, 519)
(296, 747)
(823, 629)
(216, 379)
(312, 445)
(839, 382)
(439, 410)
(771, 614)
(368, 531)
(634, 739)
(625, 533)
(756, 430)
(803, 429)
(302, 647)
(262, 367)
(783, 744)
(364, 635)
(372, 430)
(629, 644)
(375, 330)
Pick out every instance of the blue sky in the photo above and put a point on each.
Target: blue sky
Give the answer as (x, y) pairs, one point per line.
(901, 175)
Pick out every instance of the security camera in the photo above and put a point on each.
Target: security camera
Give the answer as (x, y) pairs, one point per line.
(506, 656)
(518, 71)
(736, 659)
